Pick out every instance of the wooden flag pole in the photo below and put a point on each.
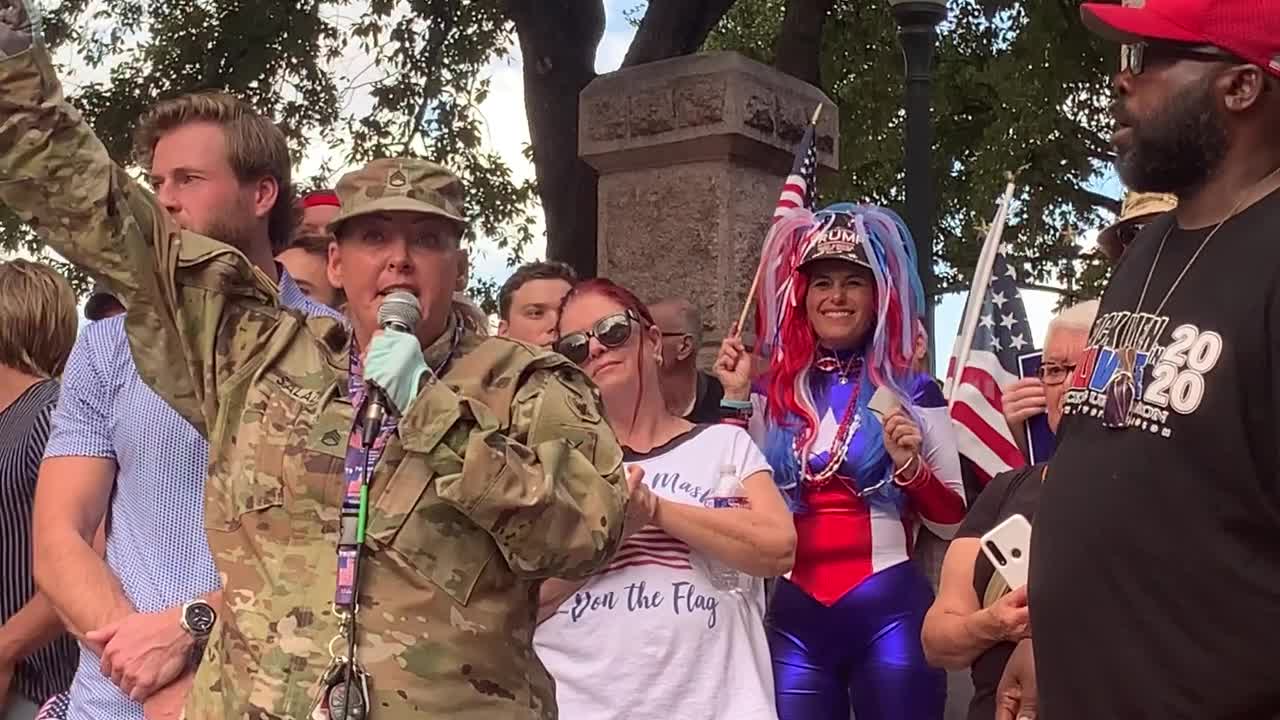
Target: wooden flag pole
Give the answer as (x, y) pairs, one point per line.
(755, 282)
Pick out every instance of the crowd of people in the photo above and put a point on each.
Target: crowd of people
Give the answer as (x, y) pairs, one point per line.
(255, 485)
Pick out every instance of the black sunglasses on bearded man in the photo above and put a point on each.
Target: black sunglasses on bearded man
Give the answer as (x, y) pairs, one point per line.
(1135, 57)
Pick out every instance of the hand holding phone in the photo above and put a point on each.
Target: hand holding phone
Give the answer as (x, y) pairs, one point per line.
(1008, 547)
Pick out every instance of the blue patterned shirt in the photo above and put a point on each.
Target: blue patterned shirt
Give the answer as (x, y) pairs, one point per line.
(157, 545)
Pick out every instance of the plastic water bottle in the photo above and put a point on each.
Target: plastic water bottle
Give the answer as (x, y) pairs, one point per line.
(729, 493)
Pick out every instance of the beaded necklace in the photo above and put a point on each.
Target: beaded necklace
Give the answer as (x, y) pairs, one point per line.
(844, 432)
(844, 371)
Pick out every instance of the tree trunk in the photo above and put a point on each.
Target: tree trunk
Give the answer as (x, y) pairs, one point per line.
(799, 48)
(558, 42)
(674, 27)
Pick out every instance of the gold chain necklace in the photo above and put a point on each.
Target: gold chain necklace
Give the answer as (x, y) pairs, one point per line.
(1196, 256)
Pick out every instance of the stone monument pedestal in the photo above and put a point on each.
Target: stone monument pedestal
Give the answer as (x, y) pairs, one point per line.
(692, 153)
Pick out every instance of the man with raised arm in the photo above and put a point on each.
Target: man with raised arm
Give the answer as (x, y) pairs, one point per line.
(390, 562)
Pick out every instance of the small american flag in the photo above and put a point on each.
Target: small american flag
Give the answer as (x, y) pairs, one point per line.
(801, 187)
(345, 593)
(1001, 335)
(55, 708)
(352, 497)
(781, 253)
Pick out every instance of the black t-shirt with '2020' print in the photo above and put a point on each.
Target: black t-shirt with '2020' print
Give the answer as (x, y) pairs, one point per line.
(1155, 572)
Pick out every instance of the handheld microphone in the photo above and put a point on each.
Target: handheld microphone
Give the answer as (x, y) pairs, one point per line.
(401, 311)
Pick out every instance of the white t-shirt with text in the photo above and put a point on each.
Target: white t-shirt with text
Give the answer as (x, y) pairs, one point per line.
(649, 636)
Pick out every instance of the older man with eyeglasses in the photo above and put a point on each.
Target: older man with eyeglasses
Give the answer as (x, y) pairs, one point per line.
(690, 393)
(1067, 336)
(976, 621)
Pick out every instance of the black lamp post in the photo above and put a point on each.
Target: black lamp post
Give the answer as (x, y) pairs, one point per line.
(917, 30)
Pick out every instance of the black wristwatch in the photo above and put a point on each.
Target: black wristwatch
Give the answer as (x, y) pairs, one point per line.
(198, 619)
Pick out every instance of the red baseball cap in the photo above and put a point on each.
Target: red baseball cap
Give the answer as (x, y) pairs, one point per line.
(1249, 29)
(319, 198)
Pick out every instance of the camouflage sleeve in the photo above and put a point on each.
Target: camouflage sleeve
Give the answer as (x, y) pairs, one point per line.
(550, 490)
(56, 175)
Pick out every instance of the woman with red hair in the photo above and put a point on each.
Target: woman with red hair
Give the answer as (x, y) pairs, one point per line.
(674, 627)
(861, 445)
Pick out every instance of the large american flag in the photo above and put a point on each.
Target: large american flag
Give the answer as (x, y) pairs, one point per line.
(1002, 334)
(801, 187)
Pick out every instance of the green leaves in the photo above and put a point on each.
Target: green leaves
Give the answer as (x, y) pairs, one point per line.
(347, 81)
(1018, 85)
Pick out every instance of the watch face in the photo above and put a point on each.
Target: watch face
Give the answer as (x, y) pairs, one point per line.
(200, 618)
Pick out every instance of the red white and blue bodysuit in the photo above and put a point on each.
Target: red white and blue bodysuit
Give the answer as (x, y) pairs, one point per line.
(844, 627)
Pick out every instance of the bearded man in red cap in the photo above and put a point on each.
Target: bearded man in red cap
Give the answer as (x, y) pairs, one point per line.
(1155, 585)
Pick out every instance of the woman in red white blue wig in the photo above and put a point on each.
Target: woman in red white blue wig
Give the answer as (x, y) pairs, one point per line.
(861, 445)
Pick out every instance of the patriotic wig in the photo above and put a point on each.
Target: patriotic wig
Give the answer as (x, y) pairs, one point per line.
(874, 238)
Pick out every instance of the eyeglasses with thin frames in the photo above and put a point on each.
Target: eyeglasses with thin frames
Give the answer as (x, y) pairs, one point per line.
(1054, 374)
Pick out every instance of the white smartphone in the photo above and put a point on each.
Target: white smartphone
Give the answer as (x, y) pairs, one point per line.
(1008, 547)
(883, 403)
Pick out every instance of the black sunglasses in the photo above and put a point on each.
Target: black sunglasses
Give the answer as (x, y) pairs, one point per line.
(1134, 57)
(611, 330)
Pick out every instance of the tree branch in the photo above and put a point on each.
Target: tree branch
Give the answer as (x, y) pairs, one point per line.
(1099, 200)
(799, 45)
(558, 42)
(674, 27)
(1100, 156)
(436, 37)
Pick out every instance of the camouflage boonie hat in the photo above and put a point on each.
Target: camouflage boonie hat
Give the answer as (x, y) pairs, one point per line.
(399, 184)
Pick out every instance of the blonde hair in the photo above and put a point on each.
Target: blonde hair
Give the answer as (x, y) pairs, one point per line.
(38, 319)
(256, 147)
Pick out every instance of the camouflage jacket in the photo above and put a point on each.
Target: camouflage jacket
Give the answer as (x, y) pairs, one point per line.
(503, 472)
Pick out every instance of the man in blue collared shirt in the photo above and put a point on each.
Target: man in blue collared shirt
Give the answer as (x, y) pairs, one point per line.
(221, 170)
